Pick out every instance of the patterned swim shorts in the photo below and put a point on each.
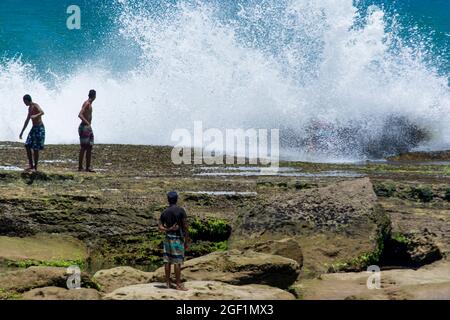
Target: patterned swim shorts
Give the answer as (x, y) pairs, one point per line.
(173, 249)
(86, 135)
(36, 138)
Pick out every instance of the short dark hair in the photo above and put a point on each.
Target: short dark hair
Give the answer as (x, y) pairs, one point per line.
(92, 94)
(27, 98)
(172, 197)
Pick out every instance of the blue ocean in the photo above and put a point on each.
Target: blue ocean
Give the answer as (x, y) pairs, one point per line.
(161, 65)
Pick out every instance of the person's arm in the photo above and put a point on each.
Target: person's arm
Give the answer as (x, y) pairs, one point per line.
(161, 227)
(40, 112)
(175, 227)
(25, 125)
(82, 112)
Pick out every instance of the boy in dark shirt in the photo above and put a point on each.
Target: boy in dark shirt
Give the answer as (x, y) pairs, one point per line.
(173, 222)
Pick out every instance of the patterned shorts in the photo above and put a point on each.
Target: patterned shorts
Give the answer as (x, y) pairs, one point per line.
(36, 138)
(86, 135)
(173, 249)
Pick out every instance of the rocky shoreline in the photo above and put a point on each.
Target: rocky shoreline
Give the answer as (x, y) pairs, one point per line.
(308, 233)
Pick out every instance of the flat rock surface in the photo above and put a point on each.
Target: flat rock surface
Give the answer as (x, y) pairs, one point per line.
(55, 293)
(42, 248)
(200, 290)
(429, 282)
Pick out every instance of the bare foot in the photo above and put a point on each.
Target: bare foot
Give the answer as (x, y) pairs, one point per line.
(90, 170)
(170, 285)
(181, 287)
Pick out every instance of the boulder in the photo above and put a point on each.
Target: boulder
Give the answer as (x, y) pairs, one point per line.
(37, 277)
(112, 279)
(426, 227)
(239, 268)
(200, 290)
(55, 293)
(422, 249)
(339, 224)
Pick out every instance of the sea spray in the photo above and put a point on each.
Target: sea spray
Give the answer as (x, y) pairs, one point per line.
(338, 82)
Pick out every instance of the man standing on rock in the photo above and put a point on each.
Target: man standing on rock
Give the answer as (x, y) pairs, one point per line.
(36, 137)
(86, 133)
(173, 223)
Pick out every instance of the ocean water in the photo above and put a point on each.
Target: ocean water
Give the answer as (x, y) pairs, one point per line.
(361, 79)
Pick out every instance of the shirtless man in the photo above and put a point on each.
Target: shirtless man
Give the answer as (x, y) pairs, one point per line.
(36, 137)
(86, 133)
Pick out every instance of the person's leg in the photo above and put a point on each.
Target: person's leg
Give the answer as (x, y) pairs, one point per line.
(81, 158)
(88, 159)
(36, 159)
(180, 286)
(168, 268)
(30, 158)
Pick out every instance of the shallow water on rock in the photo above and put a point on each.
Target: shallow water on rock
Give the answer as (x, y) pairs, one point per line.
(224, 193)
(290, 173)
(58, 161)
(10, 168)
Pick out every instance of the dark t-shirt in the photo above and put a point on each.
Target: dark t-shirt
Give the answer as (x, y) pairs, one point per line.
(171, 216)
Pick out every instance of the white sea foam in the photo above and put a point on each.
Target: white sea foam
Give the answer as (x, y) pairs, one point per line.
(275, 64)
